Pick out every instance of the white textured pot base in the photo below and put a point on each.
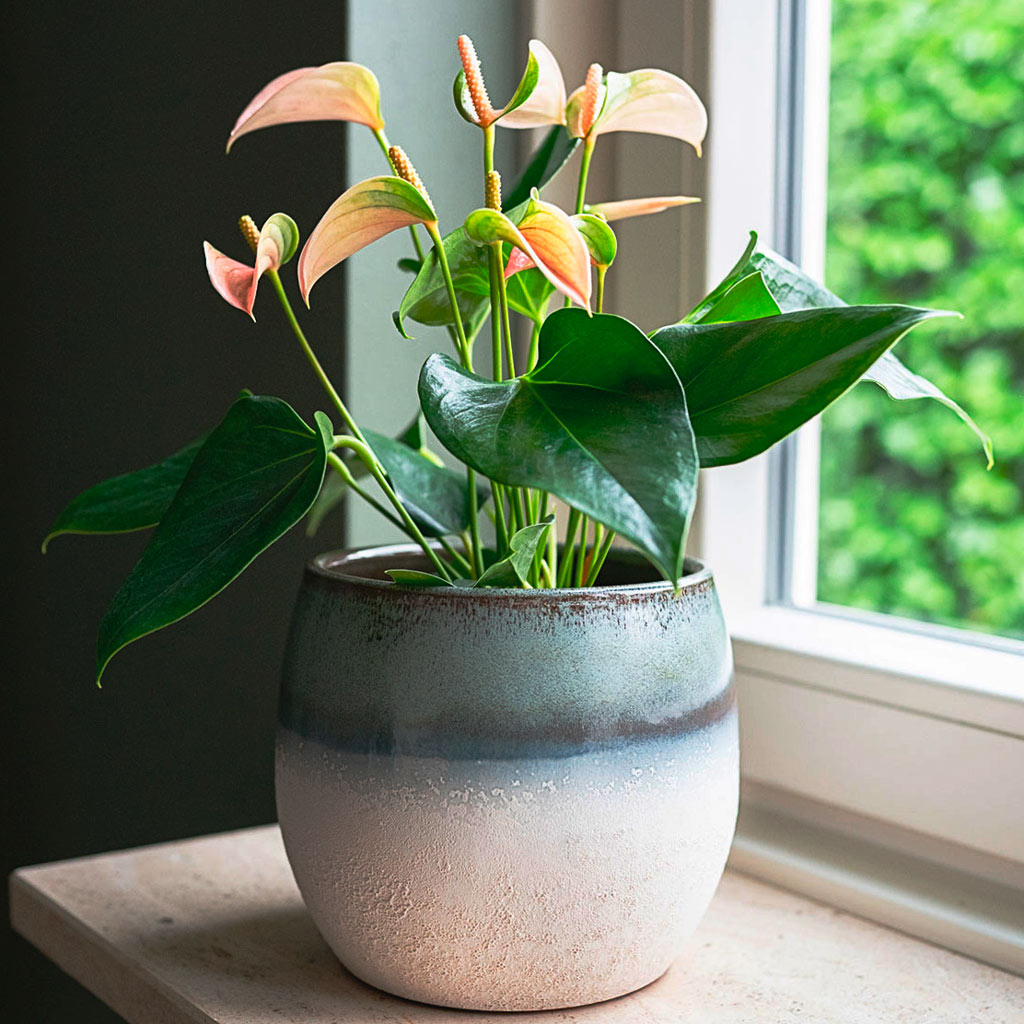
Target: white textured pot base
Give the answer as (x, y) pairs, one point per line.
(510, 885)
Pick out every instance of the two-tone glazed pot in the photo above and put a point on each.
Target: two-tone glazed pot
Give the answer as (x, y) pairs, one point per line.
(506, 800)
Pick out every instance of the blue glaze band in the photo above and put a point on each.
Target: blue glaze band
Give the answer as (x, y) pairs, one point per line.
(379, 669)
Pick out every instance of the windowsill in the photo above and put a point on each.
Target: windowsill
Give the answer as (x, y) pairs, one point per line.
(214, 929)
(964, 682)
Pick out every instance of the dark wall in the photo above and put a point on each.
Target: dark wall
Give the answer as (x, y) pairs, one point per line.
(116, 351)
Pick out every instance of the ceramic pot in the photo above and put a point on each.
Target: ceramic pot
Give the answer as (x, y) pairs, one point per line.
(506, 800)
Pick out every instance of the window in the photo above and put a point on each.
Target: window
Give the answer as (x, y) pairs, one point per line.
(925, 205)
(881, 761)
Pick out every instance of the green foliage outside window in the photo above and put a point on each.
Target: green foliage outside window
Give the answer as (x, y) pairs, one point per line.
(926, 206)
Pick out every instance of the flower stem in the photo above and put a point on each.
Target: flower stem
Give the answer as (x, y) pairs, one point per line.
(311, 356)
(456, 557)
(442, 259)
(534, 346)
(338, 465)
(365, 453)
(581, 190)
(565, 572)
(597, 559)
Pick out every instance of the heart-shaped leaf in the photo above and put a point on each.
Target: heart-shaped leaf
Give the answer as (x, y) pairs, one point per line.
(513, 570)
(600, 422)
(132, 501)
(255, 476)
(748, 384)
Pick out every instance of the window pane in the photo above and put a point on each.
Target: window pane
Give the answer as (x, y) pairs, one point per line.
(926, 207)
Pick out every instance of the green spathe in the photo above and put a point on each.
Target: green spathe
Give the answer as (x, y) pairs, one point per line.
(601, 422)
(256, 475)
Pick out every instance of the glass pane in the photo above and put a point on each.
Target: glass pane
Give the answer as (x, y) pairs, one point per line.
(926, 207)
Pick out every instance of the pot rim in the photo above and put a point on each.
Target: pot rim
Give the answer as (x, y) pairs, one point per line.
(330, 565)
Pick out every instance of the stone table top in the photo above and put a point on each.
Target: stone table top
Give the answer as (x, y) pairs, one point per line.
(214, 929)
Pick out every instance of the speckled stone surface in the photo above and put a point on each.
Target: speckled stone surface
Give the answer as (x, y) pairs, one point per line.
(506, 800)
(214, 930)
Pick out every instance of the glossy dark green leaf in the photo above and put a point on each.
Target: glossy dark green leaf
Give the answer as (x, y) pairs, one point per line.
(741, 269)
(132, 501)
(255, 476)
(415, 578)
(748, 299)
(335, 488)
(426, 300)
(547, 160)
(513, 571)
(436, 497)
(792, 289)
(900, 383)
(749, 384)
(600, 422)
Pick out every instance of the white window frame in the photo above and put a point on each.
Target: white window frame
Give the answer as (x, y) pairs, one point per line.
(883, 769)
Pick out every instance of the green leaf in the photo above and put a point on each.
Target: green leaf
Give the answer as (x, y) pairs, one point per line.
(898, 382)
(547, 160)
(513, 570)
(415, 578)
(741, 269)
(255, 476)
(436, 497)
(132, 501)
(335, 488)
(426, 299)
(792, 289)
(600, 422)
(748, 299)
(749, 384)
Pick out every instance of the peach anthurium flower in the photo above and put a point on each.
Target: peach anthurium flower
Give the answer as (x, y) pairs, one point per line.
(548, 237)
(647, 100)
(364, 213)
(622, 208)
(546, 104)
(341, 91)
(597, 236)
(275, 245)
(471, 99)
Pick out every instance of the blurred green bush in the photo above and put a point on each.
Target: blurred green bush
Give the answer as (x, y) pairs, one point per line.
(926, 207)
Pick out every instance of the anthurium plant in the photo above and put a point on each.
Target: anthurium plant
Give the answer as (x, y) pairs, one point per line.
(613, 420)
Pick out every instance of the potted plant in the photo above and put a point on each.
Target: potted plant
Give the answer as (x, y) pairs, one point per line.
(507, 766)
